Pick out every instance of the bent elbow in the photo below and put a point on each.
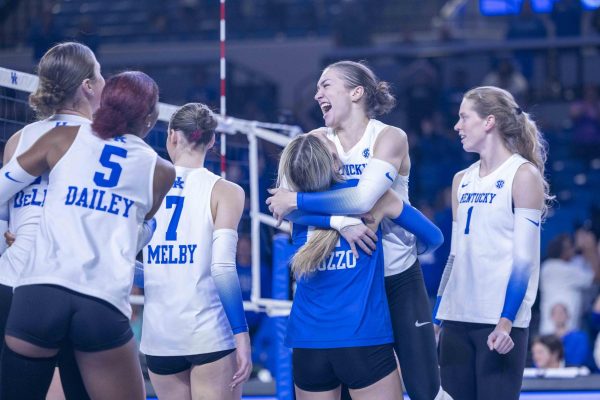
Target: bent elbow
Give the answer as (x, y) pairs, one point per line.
(438, 239)
(364, 206)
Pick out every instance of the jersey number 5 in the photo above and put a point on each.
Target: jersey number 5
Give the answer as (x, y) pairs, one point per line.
(100, 178)
(176, 201)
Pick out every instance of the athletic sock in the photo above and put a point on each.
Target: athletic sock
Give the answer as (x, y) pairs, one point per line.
(24, 377)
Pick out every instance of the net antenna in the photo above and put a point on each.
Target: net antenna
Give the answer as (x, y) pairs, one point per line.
(278, 134)
(223, 76)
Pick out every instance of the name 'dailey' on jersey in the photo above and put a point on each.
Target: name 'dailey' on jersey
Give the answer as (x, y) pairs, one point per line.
(100, 200)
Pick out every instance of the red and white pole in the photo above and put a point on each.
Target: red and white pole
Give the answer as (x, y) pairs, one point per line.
(223, 81)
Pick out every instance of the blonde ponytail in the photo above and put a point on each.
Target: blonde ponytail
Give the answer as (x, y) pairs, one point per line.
(307, 165)
(314, 252)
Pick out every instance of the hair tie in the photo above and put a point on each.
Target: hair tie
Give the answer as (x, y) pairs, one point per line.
(195, 135)
(518, 110)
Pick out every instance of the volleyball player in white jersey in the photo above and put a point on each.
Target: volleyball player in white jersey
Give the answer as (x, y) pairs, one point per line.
(350, 96)
(491, 277)
(194, 333)
(103, 182)
(68, 93)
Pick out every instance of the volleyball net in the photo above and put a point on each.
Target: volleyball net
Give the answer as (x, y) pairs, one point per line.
(246, 165)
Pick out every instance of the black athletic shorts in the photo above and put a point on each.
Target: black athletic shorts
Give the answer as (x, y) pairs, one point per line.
(320, 370)
(48, 315)
(169, 365)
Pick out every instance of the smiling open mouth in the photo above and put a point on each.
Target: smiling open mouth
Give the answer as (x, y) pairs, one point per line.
(325, 107)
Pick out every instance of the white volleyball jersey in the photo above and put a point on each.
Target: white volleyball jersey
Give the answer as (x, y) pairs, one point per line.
(398, 244)
(25, 208)
(483, 262)
(99, 193)
(183, 314)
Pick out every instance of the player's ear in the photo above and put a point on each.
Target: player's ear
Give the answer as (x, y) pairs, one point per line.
(357, 93)
(212, 142)
(490, 122)
(172, 136)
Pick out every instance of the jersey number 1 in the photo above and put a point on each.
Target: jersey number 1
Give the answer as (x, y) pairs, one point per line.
(469, 214)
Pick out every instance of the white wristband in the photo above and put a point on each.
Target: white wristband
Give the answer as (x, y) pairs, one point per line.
(339, 222)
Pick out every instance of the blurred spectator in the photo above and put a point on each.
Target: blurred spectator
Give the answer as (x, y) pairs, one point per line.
(585, 117)
(235, 173)
(445, 34)
(352, 27)
(452, 96)
(547, 352)
(277, 14)
(87, 33)
(566, 276)
(203, 90)
(576, 343)
(595, 20)
(595, 323)
(189, 11)
(421, 81)
(435, 159)
(526, 25)
(160, 24)
(566, 16)
(506, 76)
(44, 33)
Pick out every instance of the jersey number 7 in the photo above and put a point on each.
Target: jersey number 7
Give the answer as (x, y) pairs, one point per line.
(176, 201)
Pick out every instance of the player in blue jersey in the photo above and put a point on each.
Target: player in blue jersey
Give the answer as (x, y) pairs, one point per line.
(68, 93)
(104, 181)
(350, 97)
(339, 325)
(490, 280)
(195, 335)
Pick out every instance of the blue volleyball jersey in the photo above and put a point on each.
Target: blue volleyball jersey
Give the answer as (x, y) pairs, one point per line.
(343, 303)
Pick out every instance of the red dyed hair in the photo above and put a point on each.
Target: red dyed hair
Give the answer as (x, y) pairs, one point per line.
(126, 100)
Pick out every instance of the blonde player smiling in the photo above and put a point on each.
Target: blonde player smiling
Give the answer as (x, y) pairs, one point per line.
(351, 96)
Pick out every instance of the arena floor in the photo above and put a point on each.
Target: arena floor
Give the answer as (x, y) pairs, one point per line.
(525, 396)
